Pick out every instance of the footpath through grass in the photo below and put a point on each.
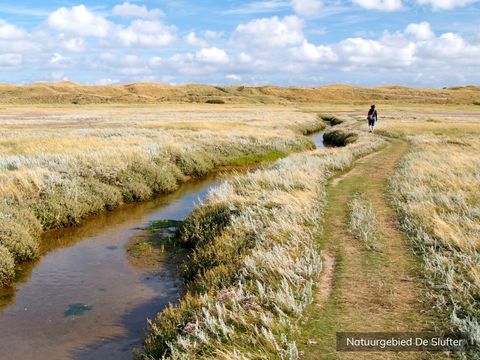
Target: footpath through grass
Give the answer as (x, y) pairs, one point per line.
(367, 290)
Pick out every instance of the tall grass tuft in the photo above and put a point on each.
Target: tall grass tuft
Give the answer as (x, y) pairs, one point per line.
(363, 222)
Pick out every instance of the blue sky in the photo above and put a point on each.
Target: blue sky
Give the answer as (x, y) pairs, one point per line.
(430, 43)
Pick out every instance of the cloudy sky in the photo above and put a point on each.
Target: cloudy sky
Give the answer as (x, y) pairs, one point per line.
(430, 43)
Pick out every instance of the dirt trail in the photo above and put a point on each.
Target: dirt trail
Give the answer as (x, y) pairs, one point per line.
(371, 290)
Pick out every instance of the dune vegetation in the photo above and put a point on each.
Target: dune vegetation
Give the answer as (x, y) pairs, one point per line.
(68, 93)
(436, 191)
(57, 168)
(254, 260)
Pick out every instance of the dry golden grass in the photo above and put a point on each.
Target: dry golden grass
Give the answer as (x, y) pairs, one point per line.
(148, 93)
(436, 190)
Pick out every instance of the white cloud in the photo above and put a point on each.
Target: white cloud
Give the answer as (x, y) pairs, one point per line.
(271, 49)
(233, 77)
(127, 65)
(381, 5)
(258, 7)
(245, 58)
(449, 48)
(155, 62)
(145, 33)
(58, 60)
(10, 32)
(446, 4)
(271, 32)
(106, 81)
(131, 10)
(11, 60)
(78, 20)
(384, 53)
(212, 55)
(210, 34)
(192, 39)
(307, 8)
(73, 44)
(312, 53)
(422, 31)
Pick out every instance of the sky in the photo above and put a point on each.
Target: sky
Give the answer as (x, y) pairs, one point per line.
(425, 43)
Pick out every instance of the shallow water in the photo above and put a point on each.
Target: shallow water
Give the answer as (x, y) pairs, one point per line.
(83, 299)
(318, 140)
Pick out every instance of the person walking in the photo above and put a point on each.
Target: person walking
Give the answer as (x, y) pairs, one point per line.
(372, 118)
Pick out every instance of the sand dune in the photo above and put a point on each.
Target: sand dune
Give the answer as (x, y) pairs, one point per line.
(67, 92)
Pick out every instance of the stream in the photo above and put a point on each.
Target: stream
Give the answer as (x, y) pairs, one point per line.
(83, 299)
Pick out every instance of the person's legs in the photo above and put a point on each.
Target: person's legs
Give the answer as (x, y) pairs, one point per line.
(371, 123)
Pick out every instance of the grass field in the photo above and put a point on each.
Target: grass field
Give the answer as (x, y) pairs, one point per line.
(376, 284)
(59, 165)
(436, 190)
(312, 227)
(254, 261)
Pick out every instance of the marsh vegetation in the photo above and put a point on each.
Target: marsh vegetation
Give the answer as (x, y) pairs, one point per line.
(436, 191)
(253, 263)
(253, 246)
(58, 168)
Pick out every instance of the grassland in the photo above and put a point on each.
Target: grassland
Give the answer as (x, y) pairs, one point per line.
(250, 286)
(58, 166)
(254, 261)
(255, 244)
(436, 191)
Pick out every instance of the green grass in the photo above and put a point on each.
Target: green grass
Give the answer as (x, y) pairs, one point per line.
(163, 239)
(156, 225)
(255, 159)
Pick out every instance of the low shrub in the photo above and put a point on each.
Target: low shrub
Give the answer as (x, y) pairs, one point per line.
(17, 240)
(331, 119)
(339, 137)
(192, 163)
(204, 223)
(215, 101)
(7, 266)
(311, 128)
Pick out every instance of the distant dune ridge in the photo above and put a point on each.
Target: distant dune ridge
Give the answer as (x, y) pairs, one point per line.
(67, 92)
